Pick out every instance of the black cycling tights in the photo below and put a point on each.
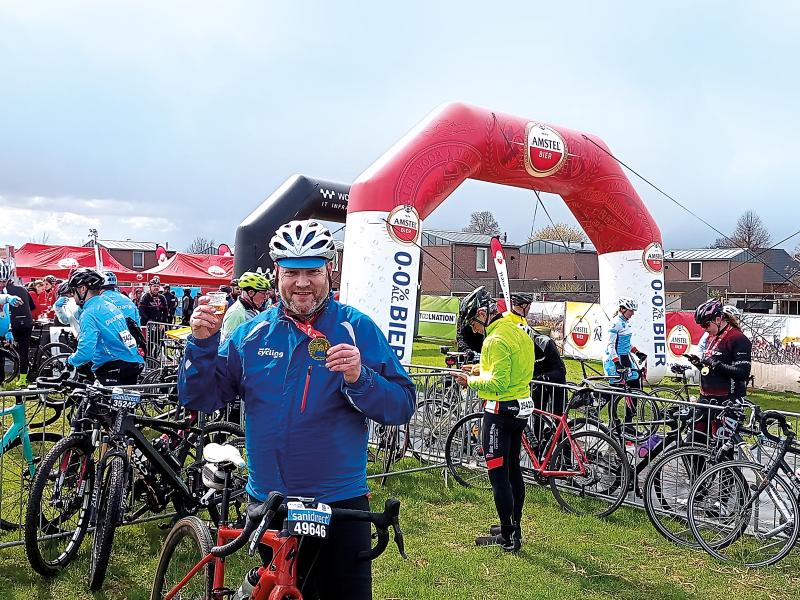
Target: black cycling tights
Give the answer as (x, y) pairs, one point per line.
(502, 441)
(335, 571)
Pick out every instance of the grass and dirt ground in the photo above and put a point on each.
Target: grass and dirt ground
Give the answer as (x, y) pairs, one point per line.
(563, 557)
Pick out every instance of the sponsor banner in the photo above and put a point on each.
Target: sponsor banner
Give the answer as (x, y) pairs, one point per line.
(383, 283)
(548, 318)
(437, 317)
(161, 255)
(633, 273)
(584, 328)
(546, 150)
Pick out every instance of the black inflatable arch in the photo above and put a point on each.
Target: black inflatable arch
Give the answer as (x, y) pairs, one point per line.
(299, 197)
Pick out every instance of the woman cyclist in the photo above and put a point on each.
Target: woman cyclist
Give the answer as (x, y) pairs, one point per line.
(725, 362)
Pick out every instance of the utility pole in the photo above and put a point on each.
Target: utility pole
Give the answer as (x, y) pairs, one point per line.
(98, 261)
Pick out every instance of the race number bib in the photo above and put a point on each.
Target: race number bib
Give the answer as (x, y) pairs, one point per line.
(310, 519)
(127, 339)
(525, 408)
(127, 399)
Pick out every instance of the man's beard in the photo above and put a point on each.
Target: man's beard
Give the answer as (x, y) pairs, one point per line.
(291, 307)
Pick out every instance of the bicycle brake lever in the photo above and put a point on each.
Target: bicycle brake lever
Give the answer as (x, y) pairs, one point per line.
(259, 532)
(398, 537)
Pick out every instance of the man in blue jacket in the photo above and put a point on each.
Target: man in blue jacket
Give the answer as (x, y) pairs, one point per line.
(311, 372)
(104, 338)
(118, 299)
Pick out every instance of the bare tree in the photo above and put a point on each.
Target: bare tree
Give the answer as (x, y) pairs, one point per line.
(45, 237)
(750, 232)
(202, 245)
(560, 231)
(482, 222)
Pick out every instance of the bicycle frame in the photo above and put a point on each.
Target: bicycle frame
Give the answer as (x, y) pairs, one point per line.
(18, 429)
(561, 428)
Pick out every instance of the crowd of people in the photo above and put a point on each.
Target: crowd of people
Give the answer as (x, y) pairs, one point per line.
(311, 371)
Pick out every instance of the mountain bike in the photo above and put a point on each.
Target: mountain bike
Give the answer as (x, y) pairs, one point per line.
(189, 567)
(21, 451)
(746, 512)
(134, 475)
(586, 469)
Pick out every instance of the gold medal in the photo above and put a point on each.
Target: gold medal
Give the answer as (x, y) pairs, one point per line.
(318, 348)
(705, 371)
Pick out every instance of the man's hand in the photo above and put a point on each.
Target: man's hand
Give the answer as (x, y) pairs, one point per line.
(461, 379)
(204, 322)
(15, 301)
(345, 359)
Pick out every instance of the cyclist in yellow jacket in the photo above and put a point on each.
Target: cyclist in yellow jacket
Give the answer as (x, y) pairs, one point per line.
(507, 358)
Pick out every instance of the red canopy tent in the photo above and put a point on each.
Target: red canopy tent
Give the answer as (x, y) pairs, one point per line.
(207, 270)
(38, 260)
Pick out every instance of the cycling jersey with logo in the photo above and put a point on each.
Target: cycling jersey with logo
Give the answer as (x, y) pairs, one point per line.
(506, 363)
(104, 336)
(728, 379)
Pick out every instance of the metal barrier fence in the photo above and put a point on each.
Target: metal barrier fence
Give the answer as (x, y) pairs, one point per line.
(650, 430)
(161, 349)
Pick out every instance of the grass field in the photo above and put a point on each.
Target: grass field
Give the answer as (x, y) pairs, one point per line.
(564, 557)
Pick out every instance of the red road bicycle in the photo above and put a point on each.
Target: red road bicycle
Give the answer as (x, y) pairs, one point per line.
(189, 567)
(586, 469)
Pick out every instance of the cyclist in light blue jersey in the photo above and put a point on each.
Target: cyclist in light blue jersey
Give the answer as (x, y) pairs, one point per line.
(121, 301)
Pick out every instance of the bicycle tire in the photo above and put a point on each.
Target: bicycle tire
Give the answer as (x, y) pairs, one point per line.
(464, 452)
(80, 472)
(424, 434)
(611, 465)
(737, 546)
(10, 360)
(666, 499)
(108, 513)
(648, 413)
(14, 472)
(41, 357)
(199, 544)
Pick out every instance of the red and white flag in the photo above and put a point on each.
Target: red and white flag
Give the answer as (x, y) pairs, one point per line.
(502, 272)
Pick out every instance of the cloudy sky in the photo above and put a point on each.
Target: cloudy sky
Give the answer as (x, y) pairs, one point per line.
(162, 121)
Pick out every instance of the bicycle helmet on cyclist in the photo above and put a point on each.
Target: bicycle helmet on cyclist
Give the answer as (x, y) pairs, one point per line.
(522, 299)
(63, 289)
(253, 281)
(110, 280)
(51, 279)
(5, 270)
(155, 280)
(302, 245)
(472, 303)
(627, 303)
(86, 277)
(731, 311)
(708, 311)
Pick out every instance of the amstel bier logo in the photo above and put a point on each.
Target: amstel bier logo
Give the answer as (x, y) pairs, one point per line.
(216, 271)
(653, 258)
(546, 150)
(580, 333)
(68, 263)
(403, 224)
(679, 340)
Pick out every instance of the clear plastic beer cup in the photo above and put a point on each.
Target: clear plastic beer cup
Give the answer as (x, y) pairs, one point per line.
(219, 301)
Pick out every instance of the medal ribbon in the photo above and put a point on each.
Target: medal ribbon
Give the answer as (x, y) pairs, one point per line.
(309, 330)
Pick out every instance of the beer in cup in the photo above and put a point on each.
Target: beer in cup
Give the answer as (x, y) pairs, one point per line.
(219, 301)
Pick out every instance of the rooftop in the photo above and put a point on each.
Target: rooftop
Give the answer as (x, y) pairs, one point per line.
(124, 245)
(737, 254)
(445, 238)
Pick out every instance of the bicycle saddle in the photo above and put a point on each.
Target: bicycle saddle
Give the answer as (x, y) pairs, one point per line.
(221, 453)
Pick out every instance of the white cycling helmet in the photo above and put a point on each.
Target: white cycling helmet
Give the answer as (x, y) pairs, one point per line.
(627, 303)
(302, 245)
(731, 310)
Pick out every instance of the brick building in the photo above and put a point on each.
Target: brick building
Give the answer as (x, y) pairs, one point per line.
(137, 256)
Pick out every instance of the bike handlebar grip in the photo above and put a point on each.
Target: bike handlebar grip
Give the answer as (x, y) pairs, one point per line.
(373, 553)
(254, 519)
(773, 415)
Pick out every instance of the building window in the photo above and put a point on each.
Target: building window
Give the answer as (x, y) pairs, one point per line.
(695, 270)
(481, 255)
(138, 260)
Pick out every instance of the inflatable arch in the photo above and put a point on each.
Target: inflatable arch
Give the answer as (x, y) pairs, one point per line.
(299, 197)
(456, 141)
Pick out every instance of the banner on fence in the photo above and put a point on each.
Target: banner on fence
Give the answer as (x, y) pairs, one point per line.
(548, 317)
(437, 317)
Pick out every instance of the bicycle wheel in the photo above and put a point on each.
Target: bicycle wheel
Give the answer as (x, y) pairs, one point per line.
(666, 491)
(186, 544)
(52, 367)
(15, 477)
(427, 430)
(646, 415)
(108, 513)
(464, 452)
(10, 364)
(59, 505)
(602, 486)
(45, 353)
(736, 521)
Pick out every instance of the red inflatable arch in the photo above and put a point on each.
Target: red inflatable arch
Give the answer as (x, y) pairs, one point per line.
(455, 142)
